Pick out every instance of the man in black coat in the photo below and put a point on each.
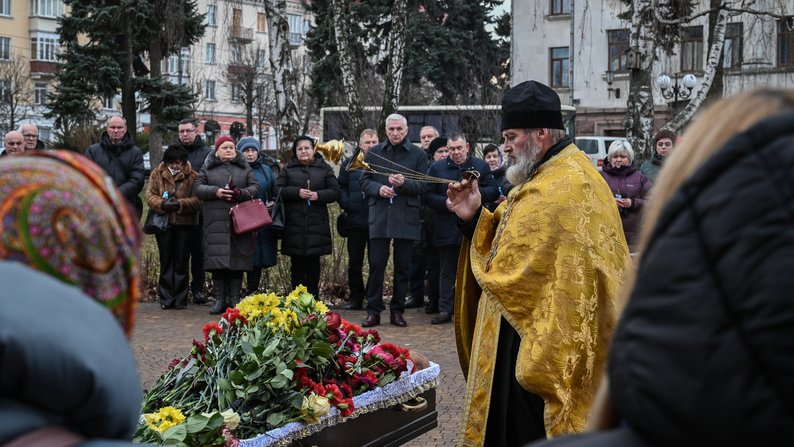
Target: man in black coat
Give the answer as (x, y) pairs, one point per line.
(118, 155)
(394, 203)
(446, 236)
(354, 202)
(197, 152)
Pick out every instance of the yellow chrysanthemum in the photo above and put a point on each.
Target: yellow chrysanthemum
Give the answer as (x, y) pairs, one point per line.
(320, 307)
(301, 289)
(164, 419)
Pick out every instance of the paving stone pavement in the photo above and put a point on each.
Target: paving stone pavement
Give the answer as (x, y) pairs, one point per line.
(162, 335)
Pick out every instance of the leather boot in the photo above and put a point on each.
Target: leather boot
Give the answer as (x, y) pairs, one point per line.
(219, 290)
(236, 285)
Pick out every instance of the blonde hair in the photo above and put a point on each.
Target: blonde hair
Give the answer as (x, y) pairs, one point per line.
(620, 147)
(711, 129)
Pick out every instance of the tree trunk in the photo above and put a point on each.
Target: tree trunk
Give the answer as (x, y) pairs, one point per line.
(155, 134)
(283, 72)
(712, 67)
(639, 105)
(356, 112)
(717, 88)
(128, 107)
(391, 97)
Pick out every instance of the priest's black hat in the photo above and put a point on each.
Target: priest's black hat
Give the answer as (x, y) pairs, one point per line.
(531, 105)
(435, 145)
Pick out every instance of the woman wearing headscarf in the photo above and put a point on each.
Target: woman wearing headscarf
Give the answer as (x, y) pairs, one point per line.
(307, 184)
(225, 180)
(170, 190)
(702, 353)
(265, 254)
(69, 265)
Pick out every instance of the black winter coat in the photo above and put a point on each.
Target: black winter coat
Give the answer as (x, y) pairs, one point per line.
(306, 230)
(446, 222)
(352, 199)
(223, 250)
(197, 153)
(398, 218)
(128, 172)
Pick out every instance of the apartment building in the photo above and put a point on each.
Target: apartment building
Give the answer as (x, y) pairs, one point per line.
(29, 45)
(580, 48)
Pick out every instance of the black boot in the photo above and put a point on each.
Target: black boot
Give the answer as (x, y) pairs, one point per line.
(236, 285)
(219, 290)
(253, 277)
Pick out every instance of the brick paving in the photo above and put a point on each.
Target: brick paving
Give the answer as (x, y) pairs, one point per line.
(161, 336)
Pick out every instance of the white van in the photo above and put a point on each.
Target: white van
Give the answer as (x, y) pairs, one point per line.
(596, 147)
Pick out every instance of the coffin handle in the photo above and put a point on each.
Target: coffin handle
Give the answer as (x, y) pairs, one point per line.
(416, 404)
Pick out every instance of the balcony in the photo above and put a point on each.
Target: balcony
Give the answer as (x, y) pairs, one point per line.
(42, 68)
(239, 68)
(241, 35)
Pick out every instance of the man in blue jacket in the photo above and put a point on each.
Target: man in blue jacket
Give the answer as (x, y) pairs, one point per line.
(354, 202)
(446, 236)
(394, 202)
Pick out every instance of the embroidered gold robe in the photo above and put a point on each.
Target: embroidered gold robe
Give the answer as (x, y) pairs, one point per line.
(550, 260)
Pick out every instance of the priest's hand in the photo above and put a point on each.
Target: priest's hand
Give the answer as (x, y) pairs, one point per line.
(464, 199)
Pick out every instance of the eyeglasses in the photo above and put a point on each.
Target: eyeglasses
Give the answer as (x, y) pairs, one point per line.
(29, 135)
(187, 130)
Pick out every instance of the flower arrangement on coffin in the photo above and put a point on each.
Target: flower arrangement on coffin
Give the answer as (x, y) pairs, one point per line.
(269, 361)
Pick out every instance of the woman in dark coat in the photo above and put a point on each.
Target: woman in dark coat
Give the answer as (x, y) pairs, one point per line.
(629, 186)
(493, 156)
(170, 190)
(266, 252)
(225, 180)
(307, 185)
(702, 353)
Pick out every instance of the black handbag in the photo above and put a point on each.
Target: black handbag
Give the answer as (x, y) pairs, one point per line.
(341, 224)
(156, 223)
(278, 216)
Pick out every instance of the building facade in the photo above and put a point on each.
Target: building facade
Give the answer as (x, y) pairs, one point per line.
(579, 48)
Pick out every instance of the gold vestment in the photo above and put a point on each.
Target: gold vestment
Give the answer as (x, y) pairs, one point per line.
(550, 260)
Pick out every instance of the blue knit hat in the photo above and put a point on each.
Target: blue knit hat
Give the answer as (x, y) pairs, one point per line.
(247, 142)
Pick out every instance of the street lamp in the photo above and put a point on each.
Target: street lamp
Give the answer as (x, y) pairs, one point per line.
(610, 78)
(671, 89)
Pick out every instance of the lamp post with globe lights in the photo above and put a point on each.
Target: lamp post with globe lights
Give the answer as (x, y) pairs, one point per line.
(671, 89)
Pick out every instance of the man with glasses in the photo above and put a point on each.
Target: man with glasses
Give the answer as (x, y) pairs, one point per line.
(30, 133)
(13, 143)
(190, 140)
(394, 202)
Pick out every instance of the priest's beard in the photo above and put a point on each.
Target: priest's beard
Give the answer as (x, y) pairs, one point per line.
(522, 168)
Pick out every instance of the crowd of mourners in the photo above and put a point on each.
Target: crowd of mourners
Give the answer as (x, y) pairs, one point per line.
(560, 333)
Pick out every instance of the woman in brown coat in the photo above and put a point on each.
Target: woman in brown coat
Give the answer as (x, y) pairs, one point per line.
(170, 191)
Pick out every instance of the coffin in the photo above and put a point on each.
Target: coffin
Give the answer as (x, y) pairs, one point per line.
(387, 416)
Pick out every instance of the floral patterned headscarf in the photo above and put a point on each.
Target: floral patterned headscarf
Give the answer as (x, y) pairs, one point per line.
(62, 215)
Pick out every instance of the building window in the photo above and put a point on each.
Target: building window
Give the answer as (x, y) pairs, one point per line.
(5, 7)
(732, 48)
(178, 63)
(261, 22)
(237, 93)
(40, 93)
(46, 8)
(209, 54)
(261, 58)
(209, 90)
(785, 42)
(44, 47)
(5, 90)
(212, 19)
(692, 48)
(109, 102)
(5, 48)
(618, 43)
(560, 7)
(237, 20)
(295, 28)
(559, 66)
(237, 55)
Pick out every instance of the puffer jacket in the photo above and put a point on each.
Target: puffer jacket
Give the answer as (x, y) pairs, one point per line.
(223, 250)
(352, 199)
(651, 168)
(179, 186)
(629, 183)
(128, 173)
(306, 230)
(266, 254)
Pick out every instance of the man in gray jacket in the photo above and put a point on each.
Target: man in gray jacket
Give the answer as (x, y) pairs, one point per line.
(394, 203)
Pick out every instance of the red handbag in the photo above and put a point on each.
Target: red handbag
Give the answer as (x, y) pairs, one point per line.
(249, 216)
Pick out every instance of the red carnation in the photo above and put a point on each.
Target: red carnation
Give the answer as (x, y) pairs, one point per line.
(334, 320)
(345, 407)
(208, 330)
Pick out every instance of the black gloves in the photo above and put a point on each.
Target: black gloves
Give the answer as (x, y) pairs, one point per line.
(236, 193)
(170, 205)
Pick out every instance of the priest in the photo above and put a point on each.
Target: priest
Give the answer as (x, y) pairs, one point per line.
(537, 281)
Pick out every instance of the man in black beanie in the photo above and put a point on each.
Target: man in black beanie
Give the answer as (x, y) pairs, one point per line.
(533, 327)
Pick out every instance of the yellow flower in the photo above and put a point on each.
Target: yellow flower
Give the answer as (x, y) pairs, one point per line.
(320, 308)
(314, 407)
(301, 289)
(164, 419)
(230, 419)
